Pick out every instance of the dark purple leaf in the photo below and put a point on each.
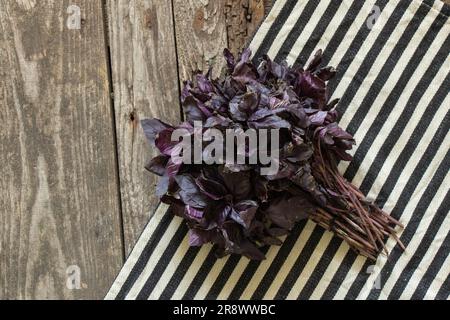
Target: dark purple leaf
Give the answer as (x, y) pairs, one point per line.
(286, 211)
(158, 165)
(152, 127)
(190, 193)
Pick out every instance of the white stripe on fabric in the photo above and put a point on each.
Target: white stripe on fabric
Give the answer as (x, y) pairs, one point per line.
(439, 281)
(267, 23)
(328, 275)
(234, 278)
(306, 33)
(407, 212)
(154, 258)
(170, 268)
(392, 41)
(209, 280)
(309, 268)
(137, 250)
(261, 271)
(389, 84)
(287, 28)
(397, 150)
(427, 259)
(192, 271)
(289, 263)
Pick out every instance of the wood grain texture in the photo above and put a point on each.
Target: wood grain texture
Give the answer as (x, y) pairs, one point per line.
(144, 73)
(201, 35)
(145, 82)
(59, 197)
(243, 17)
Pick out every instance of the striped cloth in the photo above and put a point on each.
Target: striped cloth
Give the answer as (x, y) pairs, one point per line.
(393, 65)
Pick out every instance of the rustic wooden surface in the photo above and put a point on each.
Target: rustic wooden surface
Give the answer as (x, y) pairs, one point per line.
(153, 46)
(145, 83)
(73, 188)
(59, 199)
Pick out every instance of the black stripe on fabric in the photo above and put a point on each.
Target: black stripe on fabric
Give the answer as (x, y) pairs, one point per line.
(430, 3)
(323, 265)
(176, 278)
(446, 9)
(300, 263)
(430, 274)
(278, 261)
(418, 172)
(160, 267)
(335, 41)
(145, 255)
(424, 246)
(363, 70)
(297, 29)
(342, 30)
(412, 143)
(245, 278)
(328, 52)
(223, 276)
(201, 275)
(339, 277)
(406, 194)
(385, 73)
(304, 17)
(320, 269)
(413, 224)
(275, 28)
(393, 98)
(358, 42)
(360, 281)
(444, 291)
(318, 32)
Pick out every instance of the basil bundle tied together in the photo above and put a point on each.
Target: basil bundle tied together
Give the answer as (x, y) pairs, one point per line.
(233, 205)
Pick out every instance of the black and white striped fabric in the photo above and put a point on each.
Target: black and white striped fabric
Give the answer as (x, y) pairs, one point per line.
(393, 78)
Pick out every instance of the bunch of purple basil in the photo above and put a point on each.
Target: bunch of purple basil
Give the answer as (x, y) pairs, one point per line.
(234, 206)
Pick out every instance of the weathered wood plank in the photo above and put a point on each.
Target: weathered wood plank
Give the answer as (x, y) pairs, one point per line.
(201, 35)
(145, 82)
(243, 18)
(59, 199)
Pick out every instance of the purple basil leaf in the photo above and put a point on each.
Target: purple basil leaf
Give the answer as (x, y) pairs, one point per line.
(190, 193)
(164, 141)
(158, 165)
(238, 184)
(326, 73)
(163, 186)
(244, 212)
(318, 118)
(213, 189)
(198, 237)
(194, 213)
(286, 211)
(152, 127)
(249, 102)
(229, 58)
(192, 111)
(270, 122)
(338, 132)
(315, 62)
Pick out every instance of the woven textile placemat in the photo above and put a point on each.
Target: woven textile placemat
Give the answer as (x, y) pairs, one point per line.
(393, 67)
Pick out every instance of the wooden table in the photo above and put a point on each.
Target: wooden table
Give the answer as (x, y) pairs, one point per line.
(74, 194)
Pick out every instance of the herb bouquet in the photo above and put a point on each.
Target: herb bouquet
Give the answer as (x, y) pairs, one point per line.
(240, 206)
